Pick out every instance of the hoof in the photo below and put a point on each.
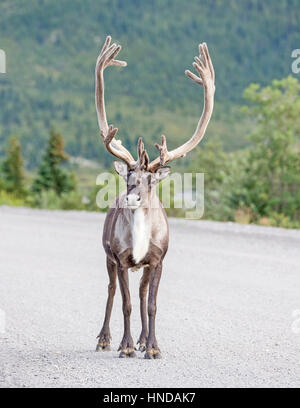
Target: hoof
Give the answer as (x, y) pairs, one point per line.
(127, 352)
(104, 341)
(103, 347)
(153, 354)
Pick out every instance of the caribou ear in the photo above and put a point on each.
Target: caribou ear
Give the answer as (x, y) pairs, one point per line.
(121, 168)
(162, 173)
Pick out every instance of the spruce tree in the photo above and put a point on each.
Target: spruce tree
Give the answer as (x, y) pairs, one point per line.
(13, 169)
(50, 175)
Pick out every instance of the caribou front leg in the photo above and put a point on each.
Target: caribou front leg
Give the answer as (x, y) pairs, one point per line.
(152, 350)
(127, 345)
(143, 307)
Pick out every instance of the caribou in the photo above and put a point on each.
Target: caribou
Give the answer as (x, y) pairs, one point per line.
(136, 232)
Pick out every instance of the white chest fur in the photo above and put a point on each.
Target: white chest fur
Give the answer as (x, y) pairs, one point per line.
(140, 235)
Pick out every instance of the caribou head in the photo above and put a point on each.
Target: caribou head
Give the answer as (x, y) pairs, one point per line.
(140, 180)
(136, 233)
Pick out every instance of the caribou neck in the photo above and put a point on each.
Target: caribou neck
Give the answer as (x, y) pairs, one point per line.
(142, 220)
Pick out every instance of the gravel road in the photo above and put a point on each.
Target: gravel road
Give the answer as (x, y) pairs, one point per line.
(228, 305)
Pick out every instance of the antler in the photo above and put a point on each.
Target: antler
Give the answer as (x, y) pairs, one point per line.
(204, 67)
(143, 158)
(105, 59)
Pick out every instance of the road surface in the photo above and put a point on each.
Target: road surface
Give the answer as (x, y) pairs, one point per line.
(228, 306)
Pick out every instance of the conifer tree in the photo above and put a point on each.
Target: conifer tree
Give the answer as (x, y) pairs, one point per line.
(50, 175)
(13, 168)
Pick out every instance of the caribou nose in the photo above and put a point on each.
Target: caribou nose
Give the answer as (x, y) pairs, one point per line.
(133, 201)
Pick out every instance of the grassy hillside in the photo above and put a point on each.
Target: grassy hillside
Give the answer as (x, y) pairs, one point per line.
(52, 45)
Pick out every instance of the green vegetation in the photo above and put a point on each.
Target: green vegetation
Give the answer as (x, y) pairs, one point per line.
(12, 169)
(271, 184)
(260, 184)
(51, 49)
(53, 187)
(52, 45)
(50, 175)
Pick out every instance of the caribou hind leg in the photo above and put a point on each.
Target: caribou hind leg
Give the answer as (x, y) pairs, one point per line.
(143, 307)
(104, 335)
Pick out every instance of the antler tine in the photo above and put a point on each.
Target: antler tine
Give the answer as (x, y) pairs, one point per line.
(205, 69)
(140, 148)
(164, 155)
(143, 158)
(146, 160)
(115, 148)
